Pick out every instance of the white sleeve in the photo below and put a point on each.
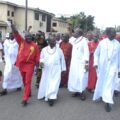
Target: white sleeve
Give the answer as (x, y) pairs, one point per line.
(42, 56)
(63, 64)
(1, 46)
(97, 55)
(5, 50)
(119, 59)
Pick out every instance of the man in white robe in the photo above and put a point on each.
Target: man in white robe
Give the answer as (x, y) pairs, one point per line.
(12, 77)
(78, 75)
(58, 39)
(72, 39)
(1, 51)
(107, 64)
(53, 63)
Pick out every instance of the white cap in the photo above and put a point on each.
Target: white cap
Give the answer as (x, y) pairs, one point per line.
(7, 35)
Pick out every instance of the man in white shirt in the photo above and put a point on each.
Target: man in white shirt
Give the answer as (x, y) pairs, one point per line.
(107, 64)
(78, 75)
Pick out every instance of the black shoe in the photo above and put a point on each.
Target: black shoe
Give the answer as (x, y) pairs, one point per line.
(107, 107)
(82, 96)
(51, 102)
(76, 94)
(116, 93)
(42, 98)
(24, 103)
(30, 95)
(91, 90)
(37, 85)
(4, 92)
(19, 89)
(61, 86)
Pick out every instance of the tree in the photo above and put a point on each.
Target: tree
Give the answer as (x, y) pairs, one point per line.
(86, 23)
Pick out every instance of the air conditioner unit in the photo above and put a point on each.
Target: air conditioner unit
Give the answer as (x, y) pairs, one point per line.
(41, 24)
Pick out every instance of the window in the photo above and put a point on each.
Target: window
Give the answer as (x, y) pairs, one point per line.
(43, 17)
(36, 16)
(8, 13)
(12, 14)
(41, 24)
(54, 24)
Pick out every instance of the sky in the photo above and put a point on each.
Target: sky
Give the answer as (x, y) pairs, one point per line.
(106, 12)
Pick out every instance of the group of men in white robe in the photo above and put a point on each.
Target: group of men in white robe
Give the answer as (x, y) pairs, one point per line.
(11, 76)
(106, 62)
(52, 62)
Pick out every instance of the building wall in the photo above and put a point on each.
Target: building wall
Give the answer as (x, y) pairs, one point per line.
(60, 26)
(11, 9)
(3, 12)
(19, 18)
(4, 31)
(39, 24)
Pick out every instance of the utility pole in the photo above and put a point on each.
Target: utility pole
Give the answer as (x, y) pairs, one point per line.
(26, 13)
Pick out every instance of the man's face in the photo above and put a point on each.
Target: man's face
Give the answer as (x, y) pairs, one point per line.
(52, 42)
(95, 37)
(37, 36)
(65, 38)
(58, 37)
(89, 36)
(28, 38)
(112, 34)
(77, 33)
(11, 36)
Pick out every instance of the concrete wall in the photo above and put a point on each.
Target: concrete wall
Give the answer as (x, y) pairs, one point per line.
(3, 12)
(60, 27)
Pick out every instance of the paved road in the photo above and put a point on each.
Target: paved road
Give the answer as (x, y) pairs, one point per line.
(66, 108)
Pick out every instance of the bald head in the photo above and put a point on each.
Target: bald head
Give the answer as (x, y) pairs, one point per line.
(78, 32)
(52, 40)
(65, 37)
(111, 33)
(58, 36)
(28, 37)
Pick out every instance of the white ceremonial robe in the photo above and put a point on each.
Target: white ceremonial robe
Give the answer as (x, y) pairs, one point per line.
(71, 40)
(58, 43)
(12, 77)
(1, 48)
(54, 64)
(78, 77)
(107, 58)
(117, 88)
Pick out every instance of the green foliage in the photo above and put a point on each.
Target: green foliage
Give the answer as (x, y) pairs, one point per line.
(83, 21)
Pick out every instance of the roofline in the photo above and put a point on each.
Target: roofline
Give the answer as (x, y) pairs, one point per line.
(29, 8)
(8, 3)
(56, 19)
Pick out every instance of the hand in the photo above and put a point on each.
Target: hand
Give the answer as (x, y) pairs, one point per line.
(29, 28)
(41, 64)
(118, 74)
(63, 73)
(96, 67)
(8, 23)
(86, 67)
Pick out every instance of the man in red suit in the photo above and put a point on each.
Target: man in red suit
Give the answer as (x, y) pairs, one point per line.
(92, 77)
(67, 51)
(28, 57)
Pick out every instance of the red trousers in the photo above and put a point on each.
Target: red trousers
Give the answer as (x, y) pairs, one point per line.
(27, 79)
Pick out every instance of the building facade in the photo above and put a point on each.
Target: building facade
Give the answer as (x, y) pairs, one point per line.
(59, 25)
(38, 19)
